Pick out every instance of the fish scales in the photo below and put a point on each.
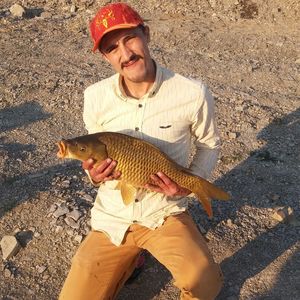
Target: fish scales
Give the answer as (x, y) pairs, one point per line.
(137, 160)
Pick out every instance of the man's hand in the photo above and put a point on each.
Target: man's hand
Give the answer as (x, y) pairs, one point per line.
(103, 172)
(163, 184)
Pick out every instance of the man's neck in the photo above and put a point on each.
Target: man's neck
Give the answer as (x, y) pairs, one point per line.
(138, 89)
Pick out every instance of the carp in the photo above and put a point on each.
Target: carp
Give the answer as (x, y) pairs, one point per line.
(137, 160)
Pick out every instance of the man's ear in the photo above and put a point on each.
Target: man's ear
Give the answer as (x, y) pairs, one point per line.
(147, 33)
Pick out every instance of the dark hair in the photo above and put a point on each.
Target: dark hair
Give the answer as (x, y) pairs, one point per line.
(140, 26)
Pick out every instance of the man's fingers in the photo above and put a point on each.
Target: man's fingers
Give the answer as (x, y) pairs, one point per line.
(153, 188)
(166, 180)
(88, 164)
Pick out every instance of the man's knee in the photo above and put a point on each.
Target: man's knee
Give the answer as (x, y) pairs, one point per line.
(202, 281)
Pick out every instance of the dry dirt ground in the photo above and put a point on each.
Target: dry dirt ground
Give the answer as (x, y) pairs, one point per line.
(248, 54)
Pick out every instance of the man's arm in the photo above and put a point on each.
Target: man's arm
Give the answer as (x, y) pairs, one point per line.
(207, 144)
(106, 169)
(207, 140)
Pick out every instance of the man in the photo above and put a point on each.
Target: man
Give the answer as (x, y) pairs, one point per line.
(149, 102)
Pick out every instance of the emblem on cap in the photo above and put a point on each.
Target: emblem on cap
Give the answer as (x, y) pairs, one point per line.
(103, 18)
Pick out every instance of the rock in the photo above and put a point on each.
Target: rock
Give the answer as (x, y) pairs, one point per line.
(73, 9)
(229, 223)
(78, 238)
(53, 208)
(60, 211)
(69, 221)
(41, 269)
(88, 198)
(232, 135)
(285, 214)
(58, 229)
(46, 15)
(10, 246)
(36, 234)
(7, 273)
(66, 183)
(17, 10)
(297, 61)
(74, 214)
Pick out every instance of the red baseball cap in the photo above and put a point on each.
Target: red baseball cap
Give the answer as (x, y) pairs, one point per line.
(111, 17)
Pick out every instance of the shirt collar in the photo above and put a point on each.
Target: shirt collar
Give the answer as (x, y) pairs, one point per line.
(152, 91)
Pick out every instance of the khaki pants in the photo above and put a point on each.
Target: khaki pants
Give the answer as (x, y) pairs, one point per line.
(99, 268)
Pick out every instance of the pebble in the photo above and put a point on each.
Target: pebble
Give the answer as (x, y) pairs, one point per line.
(73, 9)
(58, 229)
(53, 208)
(46, 15)
(78, 238)
(60, 211)
(229, 223)
(285, 214)
(75, 214)
(10, 246)
(69, 221)
(232, 135)
(36, 234)
(41, 269)
(17, 10)
(297, 61)
(66, 183)
(7, 273)
(88, 198)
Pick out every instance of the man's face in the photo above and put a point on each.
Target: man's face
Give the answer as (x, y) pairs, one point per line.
(127, 51)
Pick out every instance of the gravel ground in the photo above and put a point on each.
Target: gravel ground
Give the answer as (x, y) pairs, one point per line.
(248, 54)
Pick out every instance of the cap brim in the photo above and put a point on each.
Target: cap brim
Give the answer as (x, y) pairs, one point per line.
(119, 26)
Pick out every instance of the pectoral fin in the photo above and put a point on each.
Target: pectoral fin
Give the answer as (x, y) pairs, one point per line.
(128, 192)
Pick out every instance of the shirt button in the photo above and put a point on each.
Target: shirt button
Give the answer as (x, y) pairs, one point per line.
(140, 105)
(137, 129)
(136, 200)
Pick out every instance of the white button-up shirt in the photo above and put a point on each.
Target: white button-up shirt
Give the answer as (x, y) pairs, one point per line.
(174, 110)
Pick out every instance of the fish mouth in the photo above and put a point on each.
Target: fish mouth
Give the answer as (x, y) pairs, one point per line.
(62, 149)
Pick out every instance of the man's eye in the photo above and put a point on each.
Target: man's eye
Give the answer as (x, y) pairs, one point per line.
(82, 149)
(111, 49)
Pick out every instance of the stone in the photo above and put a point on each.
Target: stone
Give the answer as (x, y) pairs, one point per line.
(73, 9)
(41, 269)
(10, 246)
(88, 198)
(285, 214)
(78, 238)
(297, 61)
(17, 10)
(229, 223)
(75, 214)
(52, 208)
(60, 211)
(232, 135)
(69, 221)
(66, 183)
(58, 229)
(7, 273)
(46, 15)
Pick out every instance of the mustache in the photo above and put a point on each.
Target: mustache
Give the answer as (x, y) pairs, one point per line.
(133, 57)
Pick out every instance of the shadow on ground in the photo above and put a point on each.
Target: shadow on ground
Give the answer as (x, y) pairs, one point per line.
(268, 171)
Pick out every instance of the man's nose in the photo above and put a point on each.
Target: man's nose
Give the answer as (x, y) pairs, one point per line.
(125, 52)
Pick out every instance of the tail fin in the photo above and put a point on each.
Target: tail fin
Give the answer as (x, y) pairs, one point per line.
(205, 191)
